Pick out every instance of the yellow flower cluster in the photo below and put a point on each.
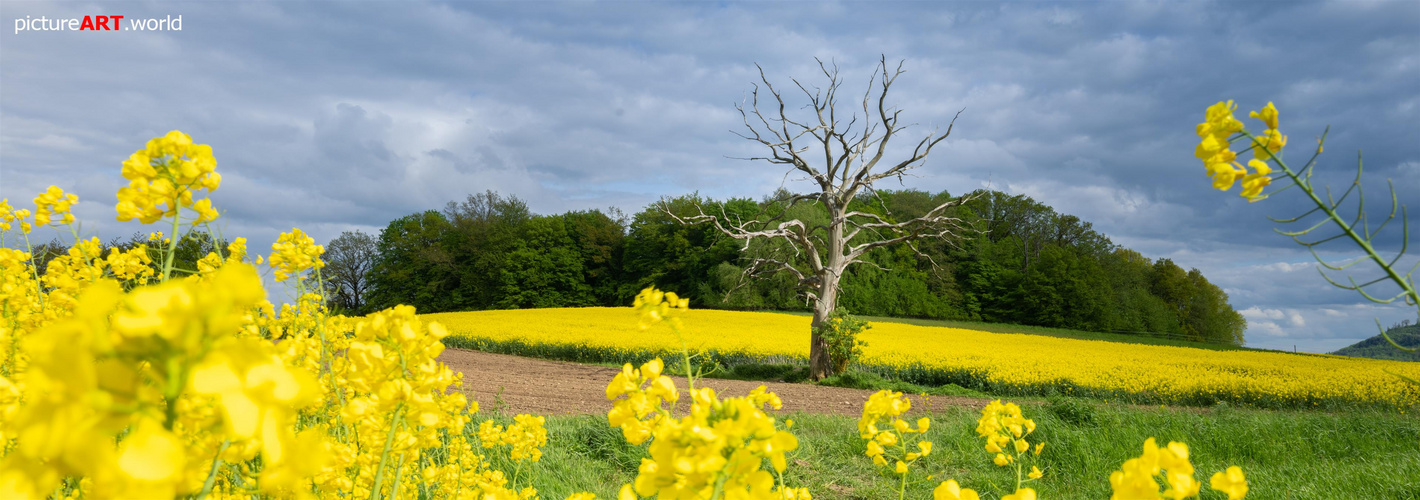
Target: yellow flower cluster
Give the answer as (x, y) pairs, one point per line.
(1216, 134)
(526, 436)
(1266, 146)
(66, 275)
(163, 176)
(53, 202)
(9, 216)
(1138, 478)
(112, 386)
(294, 253)
(720, 444)
(646, 391)
(1145, 373)
(892, 442)
(236, 252)
(656, 306)
(717, 450)
(1005, 430)
(135, 362)
(132, 265)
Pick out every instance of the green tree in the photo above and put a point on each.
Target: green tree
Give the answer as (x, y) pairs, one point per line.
(661, 251)
(600, 240)
(1065, 290)
(413, 267)
(483, 231)
(545, 269)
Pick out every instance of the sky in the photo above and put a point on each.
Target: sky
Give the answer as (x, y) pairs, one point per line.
(335, 116)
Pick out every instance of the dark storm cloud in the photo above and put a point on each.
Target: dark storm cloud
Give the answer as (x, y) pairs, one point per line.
(332, 116)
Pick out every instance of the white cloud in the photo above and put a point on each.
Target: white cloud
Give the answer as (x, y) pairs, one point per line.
(1268, 328)
(1256, 313)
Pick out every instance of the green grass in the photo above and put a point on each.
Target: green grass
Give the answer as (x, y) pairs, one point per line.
(1285, 454)
(857, 379)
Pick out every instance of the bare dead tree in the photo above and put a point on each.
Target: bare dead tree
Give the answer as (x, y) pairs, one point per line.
(843, 160)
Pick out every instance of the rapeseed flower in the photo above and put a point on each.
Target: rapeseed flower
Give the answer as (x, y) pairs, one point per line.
(1231, 482)
(53, 202)
(163, 177)
(1139, 478)
(294, 253)
(950, 490)
(1216, 133)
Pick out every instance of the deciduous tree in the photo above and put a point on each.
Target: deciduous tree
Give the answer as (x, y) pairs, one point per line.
(349, 258)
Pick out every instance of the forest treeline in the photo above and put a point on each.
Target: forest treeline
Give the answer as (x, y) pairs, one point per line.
(1025, 264)
(1405, 334)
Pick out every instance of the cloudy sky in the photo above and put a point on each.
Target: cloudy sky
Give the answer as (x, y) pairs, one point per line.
(333, 116)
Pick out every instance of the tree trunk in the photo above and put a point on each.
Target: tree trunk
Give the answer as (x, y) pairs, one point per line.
(820, 365)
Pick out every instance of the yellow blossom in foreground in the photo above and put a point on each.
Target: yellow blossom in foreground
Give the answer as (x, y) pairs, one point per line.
(642, 408)
(163, 177)
(1021, 494)
(294, 253)
(1139, 478)
(1231, 482)
(9, 216)
(950, 490)
(1219, 160)
(53, 202)
(718, 447)
(198, 387)
(655, 306)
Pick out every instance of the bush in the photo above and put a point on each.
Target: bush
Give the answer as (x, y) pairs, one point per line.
(840, 331)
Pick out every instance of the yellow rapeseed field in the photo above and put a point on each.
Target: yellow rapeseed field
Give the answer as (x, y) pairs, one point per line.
(1017, 363)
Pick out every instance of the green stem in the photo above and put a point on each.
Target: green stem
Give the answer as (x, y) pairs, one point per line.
(902, 487)
(398, 473)
(325, 361)
(173, 391)
(172, 244)
(212, 473)
(34, 269)
(1018, 471)
(395, 422)
(1346, 228)
(685, 359)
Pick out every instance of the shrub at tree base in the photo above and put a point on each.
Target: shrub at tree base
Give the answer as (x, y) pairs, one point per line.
(840, 331)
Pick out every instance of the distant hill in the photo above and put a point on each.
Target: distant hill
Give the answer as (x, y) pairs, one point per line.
(1377, 348)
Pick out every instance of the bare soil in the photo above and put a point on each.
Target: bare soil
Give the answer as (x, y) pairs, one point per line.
(513, 385)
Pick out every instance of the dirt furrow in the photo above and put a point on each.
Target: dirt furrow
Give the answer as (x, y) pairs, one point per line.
(527, 385)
